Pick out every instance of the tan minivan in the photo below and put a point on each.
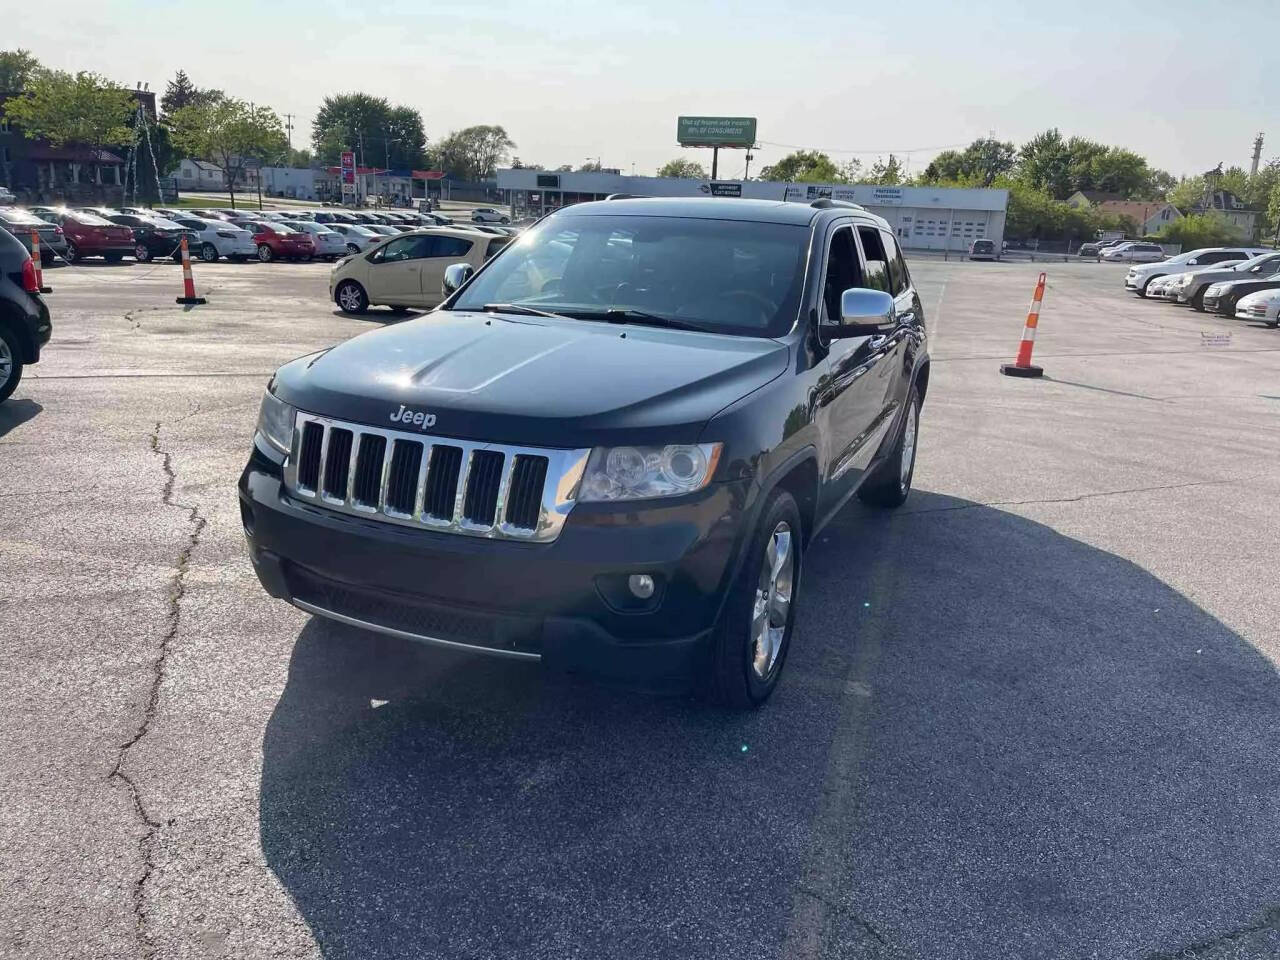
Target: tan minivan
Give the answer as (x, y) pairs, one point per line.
(408, 270)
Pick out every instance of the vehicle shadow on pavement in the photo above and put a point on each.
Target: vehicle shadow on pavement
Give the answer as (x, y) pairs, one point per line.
(14, 413)
(992, 741)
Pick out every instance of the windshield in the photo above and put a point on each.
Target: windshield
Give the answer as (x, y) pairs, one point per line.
(726, 276)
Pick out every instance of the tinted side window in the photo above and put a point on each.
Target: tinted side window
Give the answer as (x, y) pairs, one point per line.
(1218, 256)
(897, 268)
(877, 261)
(495, 245)
(448, 247)
(843, 272)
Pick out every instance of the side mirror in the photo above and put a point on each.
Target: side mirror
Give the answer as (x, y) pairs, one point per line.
(455, 275)
(863, 313)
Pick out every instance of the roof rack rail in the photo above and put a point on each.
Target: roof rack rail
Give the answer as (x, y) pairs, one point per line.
(827, 203)
(625, 196)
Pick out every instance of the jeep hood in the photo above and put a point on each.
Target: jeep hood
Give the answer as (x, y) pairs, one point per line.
(535, 381)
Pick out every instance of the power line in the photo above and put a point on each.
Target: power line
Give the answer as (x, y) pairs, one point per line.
(797, 146)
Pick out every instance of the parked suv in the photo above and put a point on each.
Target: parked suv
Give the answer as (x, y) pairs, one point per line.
(609, 448)
(24, 318)
(489, 215)
(1133, 252)
(1190, 287)
(1138, 277)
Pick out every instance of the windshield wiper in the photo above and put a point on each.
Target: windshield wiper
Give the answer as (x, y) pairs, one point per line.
(617, 315)
(520, 308)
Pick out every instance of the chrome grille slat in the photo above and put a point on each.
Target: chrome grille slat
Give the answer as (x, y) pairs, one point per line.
(499, 489)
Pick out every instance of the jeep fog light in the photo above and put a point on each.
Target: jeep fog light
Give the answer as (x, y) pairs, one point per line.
(640, 584)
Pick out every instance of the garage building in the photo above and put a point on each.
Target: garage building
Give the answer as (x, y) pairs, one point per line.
(924, 218)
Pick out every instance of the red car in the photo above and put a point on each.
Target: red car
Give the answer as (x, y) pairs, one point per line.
(89, 235)
(275, 240)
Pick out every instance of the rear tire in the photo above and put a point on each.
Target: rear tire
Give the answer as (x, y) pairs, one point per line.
(350, 297)
(209, 253)
(890, 485)
(72, 254)
(10, 363)
(749, 645)
(265, 253)
(141, 253)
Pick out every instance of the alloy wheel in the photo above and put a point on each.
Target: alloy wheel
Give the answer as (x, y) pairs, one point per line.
(6, 362)
(908, 447)
(773, 600)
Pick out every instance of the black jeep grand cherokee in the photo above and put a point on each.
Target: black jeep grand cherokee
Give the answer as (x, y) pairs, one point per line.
(609, 447)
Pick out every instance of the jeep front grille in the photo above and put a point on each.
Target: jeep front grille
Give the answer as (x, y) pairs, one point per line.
(433, 483)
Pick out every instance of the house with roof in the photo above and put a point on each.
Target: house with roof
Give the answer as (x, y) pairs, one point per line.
(1148, 216)
(1231, 211)
(1091, 198)
(193, 174)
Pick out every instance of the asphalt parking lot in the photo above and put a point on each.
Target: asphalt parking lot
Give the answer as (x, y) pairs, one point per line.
(1035, 713)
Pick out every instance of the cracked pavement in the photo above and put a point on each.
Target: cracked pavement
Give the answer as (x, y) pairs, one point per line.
(1035, 713)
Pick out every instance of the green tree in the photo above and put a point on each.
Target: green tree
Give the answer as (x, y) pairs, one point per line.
(1273, 209)
(978, 164)
(1198, 230)
(228, 133)
(683, 169)
(1188, 193)
(1044, 163)
(179, 93)
(591, 166)
(83, 109)
(1159, 184)
(474, 153)
(17, 68)
(381, 134)
(804, 166)
(886, 173)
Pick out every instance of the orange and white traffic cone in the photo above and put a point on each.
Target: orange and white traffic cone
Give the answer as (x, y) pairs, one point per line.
(1022, 367)
(35, 258)
(188, 284)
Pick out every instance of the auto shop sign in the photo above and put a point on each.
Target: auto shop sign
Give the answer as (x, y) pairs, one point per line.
(886, 196)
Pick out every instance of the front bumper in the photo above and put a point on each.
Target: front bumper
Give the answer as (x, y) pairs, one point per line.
(564, 603)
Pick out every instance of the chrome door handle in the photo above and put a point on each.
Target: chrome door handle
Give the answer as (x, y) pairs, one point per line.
(875, 343)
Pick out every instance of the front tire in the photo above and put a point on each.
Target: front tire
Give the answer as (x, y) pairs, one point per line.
(265, 253)
(141, 253)
(209, 253)
(1142, 290)
(10, 363)
(890, 485)
(350, 297)
(1197, 300)
(750, 643)
(72, 254)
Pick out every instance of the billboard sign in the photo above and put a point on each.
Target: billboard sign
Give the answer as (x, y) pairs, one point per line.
(726, 189)
(886, 196)
(716, 131)
(348, 164)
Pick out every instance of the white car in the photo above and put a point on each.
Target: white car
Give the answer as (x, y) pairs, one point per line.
(219, 239)
(1262, 306)
(488, 215)
(1158, 288)
(408, 270)
(1139, 276)
(382, 229)
(357, 236)
(330, 244)
(1133, 251)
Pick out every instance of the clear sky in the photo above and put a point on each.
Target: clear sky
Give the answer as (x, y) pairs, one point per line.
(575, 80)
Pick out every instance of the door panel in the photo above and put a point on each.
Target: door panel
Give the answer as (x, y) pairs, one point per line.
(396, 277)
(850, 395)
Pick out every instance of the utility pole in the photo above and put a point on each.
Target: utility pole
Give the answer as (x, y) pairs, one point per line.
(715, 162)
(1257, 155)
(288, 129)
(746, 174)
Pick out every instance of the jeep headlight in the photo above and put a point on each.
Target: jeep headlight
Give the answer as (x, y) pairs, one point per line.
(642, 473)
(275, 422)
